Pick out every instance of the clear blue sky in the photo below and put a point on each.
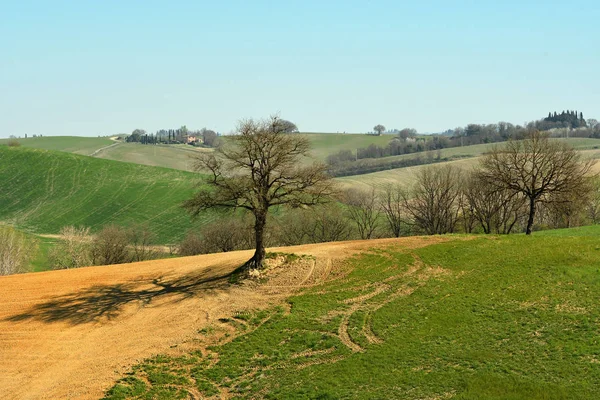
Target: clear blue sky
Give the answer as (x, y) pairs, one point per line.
(103, 67)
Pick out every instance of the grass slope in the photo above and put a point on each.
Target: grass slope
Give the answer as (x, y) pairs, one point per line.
(324, 144)
(178, 156)
(470, 158)
(405, 176)
(171, 156)
(509, 317)
(42, 191)
(71, 144)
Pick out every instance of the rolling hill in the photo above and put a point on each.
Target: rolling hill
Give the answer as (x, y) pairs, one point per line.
(181, 156)
(42, 191)
(71, 144)
(169, 156)
(471, 159)
(461, 317)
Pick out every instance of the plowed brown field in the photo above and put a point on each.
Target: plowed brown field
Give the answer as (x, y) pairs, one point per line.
(72, 333)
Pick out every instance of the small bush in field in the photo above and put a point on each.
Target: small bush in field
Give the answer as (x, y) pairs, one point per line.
(191, 245)
(225, 235)
(74, 250)
(15, 251)
(141, 240)
(110, 246)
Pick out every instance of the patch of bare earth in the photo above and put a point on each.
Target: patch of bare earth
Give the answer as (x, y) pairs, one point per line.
(72, 333)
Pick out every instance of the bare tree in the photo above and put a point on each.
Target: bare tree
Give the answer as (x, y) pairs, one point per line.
(496, 210)
(433, 201)
(392, 203)
(324, 223)
(226, 234)
(593, 205)
(540, 169)
(406, 133)
(379, 129)
(291, 227)
(327, 224)
(209, 137)
(257, 169)
(141, 242)
(16, 251)
(568, 209)
(363, 210)
(191, 245)
(288, 126)
(110, 246)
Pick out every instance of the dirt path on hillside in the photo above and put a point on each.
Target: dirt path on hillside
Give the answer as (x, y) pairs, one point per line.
(72, 333)
(96, 152)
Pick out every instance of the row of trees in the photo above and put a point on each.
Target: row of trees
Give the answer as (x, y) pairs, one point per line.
(369, 165)
(205, 137)
(566, 119)
(406, 141)
(514, 186)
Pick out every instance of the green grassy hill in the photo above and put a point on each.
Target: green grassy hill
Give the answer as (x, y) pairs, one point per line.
(468, 158)
(324, 144)
(181, 156)
(42, 191)
(169, 156)
(486, 317)
(71, 144)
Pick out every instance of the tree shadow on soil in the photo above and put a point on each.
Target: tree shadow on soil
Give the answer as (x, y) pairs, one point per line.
(105, 302)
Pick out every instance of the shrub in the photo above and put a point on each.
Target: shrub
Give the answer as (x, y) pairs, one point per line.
(110, 246)
(191, 245)
(325, 223)
(16, 251)
(74, 250)
(141, 241)
(227, 234)
(13, 143)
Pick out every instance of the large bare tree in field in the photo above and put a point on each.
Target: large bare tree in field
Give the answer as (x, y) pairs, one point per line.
(258, 168)
(540, 169)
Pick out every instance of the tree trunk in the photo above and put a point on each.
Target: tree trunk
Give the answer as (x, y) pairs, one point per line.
(259, 230)
(531, 215)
